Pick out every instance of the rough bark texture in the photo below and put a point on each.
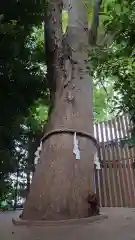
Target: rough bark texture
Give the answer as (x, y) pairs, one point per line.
(61, 184)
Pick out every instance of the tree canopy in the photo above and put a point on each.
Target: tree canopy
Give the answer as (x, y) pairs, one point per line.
(114, 59)
(23, 79)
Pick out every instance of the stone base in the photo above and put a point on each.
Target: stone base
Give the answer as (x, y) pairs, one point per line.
(19, 222)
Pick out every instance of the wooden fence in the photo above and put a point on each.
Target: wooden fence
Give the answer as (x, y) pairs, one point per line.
(115, 181)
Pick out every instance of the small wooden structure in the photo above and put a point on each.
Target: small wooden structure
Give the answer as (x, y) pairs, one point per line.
(115, 181)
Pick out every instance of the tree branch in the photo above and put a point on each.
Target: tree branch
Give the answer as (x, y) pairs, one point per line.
(95, 23)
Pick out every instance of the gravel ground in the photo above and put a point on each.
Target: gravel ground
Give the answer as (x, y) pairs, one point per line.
(119, 226)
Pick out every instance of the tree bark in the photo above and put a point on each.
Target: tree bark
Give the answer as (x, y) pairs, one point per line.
(61, 183)
(16, 188)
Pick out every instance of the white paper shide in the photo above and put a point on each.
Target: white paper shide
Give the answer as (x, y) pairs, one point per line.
(37, 154)
(76, 150)
(96, 162)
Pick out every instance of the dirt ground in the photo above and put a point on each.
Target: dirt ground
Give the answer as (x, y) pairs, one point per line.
(120, 225)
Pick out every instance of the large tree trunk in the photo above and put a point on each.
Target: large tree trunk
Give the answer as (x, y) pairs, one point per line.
(61, 183)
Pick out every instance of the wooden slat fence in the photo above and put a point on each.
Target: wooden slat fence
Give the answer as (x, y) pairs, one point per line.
(115, 181)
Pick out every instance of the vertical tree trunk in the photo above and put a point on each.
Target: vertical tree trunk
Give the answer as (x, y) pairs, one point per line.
(61, 183)
(28, 181)
(16, 188)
